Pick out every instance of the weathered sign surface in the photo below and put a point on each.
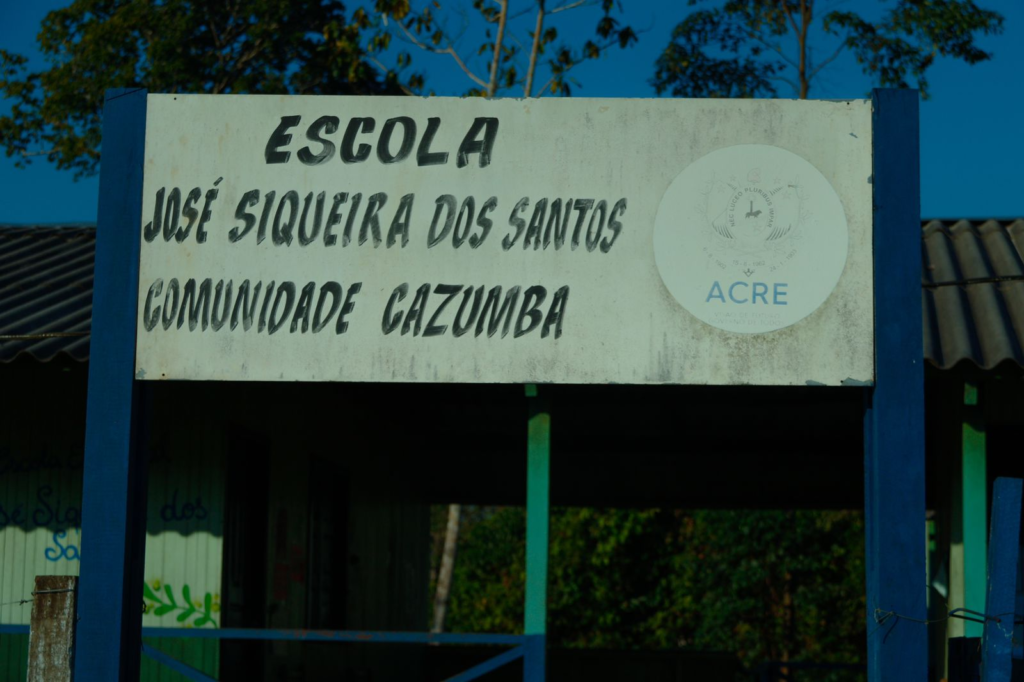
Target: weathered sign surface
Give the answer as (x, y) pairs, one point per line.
(464, 240)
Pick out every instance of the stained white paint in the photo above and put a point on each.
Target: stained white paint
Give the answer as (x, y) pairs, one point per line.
(624, 321)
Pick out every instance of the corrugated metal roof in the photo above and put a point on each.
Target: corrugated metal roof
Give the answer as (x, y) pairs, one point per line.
(973, 292)
(45, 291)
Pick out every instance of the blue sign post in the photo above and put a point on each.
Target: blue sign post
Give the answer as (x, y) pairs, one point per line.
(108, 639)
(1004, 567)
(894, 503)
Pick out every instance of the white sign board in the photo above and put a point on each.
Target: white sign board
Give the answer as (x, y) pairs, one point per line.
(526, 241)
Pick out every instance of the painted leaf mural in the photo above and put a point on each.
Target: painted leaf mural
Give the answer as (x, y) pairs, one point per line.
(160, 601)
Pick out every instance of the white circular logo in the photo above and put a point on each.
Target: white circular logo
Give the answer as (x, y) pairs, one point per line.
(750, 238)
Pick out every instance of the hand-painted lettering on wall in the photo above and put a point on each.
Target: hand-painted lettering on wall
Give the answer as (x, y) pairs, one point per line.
(188, 511)
(40, 461)
(47, 511)
(63, 547)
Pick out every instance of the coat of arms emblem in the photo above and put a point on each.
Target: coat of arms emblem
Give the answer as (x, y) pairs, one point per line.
(750, 238)
(752, 219)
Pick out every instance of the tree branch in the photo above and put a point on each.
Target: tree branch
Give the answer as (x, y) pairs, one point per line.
(792, 84)
(492, 87)
(806, 14)
(789, 15)
(447, 50)
(512, 16)
(773, 48)
(444, 577)
(242, 60)
(380, 65)
(537, 32)
(822, 65)
(543, 90)
(574, 5)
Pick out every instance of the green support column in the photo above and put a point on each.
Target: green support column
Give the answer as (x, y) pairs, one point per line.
(975, 507)
(538, 469)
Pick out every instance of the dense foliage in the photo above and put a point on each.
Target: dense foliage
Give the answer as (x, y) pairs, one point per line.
(767, 585)
(744, 48)
(256, 46)
(739, 48)
(262, 46)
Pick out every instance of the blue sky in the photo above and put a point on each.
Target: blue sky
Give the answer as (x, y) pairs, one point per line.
(972, 138)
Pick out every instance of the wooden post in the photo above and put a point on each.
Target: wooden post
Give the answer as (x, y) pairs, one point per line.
(51, 638)
(108, 645)
(538, 469)
(894, 505)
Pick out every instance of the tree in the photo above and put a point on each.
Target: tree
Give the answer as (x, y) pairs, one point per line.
(770, 585)
(255, 46)
(767, 585)
(743, 47)
(495, 65)
(265, 46)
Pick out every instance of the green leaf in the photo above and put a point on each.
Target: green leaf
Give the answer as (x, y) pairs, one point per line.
(148, 593)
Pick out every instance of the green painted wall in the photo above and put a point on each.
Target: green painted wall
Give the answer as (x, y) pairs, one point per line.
(40, 503)
(13, 657)
(185, 530)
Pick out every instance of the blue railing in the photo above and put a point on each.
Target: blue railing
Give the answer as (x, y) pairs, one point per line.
(530, 648)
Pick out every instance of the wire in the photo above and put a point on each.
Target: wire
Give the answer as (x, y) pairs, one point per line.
(892, 614)
(20, 602)
(60, 591)
(882, 616)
